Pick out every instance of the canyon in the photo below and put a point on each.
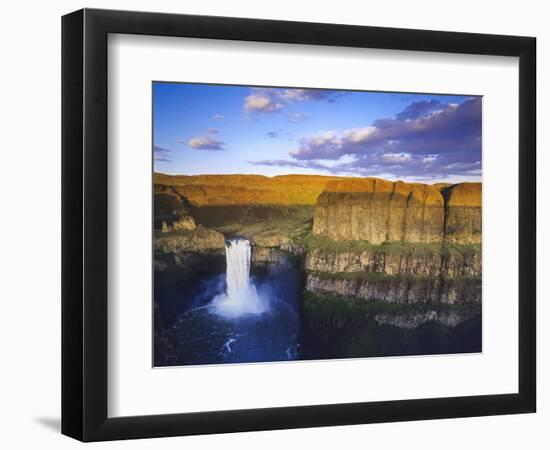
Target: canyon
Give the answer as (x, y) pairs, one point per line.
(356, 241)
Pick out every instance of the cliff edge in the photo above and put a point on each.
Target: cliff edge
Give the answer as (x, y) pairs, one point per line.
(378, 211)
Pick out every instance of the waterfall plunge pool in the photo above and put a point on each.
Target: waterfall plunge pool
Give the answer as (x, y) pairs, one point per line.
(243, 315)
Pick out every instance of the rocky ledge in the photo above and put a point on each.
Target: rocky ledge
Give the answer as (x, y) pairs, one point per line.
(337, 315)
(440, 261)
(397, 289)
(412, 320)
(179, 249)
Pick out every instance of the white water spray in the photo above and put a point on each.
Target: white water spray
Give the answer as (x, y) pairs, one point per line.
(241, 297)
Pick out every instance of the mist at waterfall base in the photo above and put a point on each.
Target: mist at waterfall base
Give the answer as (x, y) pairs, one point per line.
(235, 313)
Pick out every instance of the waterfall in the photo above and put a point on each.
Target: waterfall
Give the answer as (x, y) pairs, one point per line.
(240, 297)
(237, 256)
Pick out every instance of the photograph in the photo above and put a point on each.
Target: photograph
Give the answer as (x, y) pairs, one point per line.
(313, 224)
(267, 225)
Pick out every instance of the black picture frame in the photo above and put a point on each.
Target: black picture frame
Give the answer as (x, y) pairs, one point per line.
(84, 224)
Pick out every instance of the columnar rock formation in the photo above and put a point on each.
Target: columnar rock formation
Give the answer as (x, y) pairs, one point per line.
(463, 213)
(377, 210)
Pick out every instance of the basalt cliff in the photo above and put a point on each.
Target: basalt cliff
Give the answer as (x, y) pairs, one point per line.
(358, 239)
(378, 211)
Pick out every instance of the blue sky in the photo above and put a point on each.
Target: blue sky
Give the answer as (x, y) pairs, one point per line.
(218, 129)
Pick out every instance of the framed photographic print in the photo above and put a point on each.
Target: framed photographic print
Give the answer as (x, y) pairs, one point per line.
(273, 224)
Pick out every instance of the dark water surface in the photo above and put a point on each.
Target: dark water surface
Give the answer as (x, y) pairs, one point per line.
(188, 332)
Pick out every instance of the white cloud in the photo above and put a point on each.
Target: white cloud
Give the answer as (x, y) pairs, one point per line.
(206, 143)
(397, 157)
(275, 99)
(161, 154)
(261, 103)
(359, 134)
(303, 95)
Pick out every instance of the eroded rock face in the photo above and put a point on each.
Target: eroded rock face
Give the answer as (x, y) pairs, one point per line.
(412, 321)
(184, 223)
(269, 255)
(180, 249)
(444, 275)
(463, 213)
(399, 290)
(198, 240)
(430, 265)
(377, 210)
(171, 211)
